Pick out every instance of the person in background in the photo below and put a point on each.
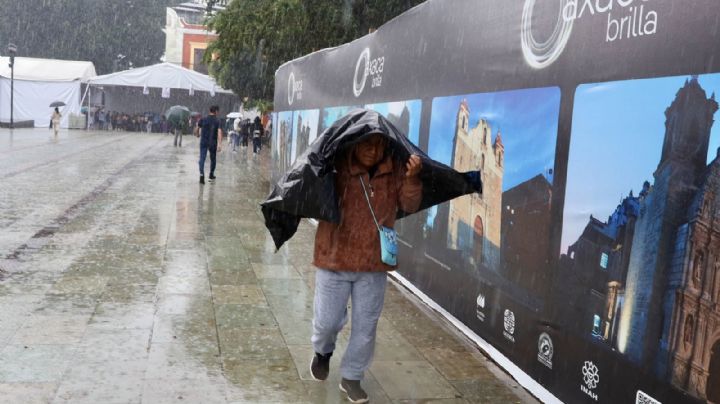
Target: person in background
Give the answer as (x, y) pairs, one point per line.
(257, 130)
(101, 119)
(209, 130)
(56, 117)
(237, 127)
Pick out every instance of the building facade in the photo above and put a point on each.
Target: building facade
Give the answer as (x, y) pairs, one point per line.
(474, 221)
(186, 36)
(658, 256)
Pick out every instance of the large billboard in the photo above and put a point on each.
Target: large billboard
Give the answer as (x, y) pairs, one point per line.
(590, 265)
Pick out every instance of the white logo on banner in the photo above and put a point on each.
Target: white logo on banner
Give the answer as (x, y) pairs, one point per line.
(509, 324)
(591, 378)
(542, 54)
(643, 398)
(294, 89)
(626, 19)
(545, 350)
(366, 67)
(480, 307)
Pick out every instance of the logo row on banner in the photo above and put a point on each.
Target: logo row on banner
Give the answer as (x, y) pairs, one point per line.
(590, 371)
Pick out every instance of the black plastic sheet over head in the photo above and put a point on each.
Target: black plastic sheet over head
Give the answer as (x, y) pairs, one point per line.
(307, 190)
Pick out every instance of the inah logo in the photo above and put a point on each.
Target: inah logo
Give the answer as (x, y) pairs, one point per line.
(480, 307)
(542, 54)
(545, 350)
(509, 324)
(294, 89)
(591, 378)
(367, 67)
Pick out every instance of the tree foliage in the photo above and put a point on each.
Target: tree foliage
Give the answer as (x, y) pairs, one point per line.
(257, 36)
(94, 30)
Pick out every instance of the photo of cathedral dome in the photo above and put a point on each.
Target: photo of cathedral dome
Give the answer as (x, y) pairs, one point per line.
(646, 280)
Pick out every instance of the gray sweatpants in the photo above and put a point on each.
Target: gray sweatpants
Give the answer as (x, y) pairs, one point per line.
(332, 291)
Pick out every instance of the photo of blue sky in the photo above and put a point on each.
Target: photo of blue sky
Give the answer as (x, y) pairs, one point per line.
(396, 108)
(310, 118)
(528, 120)
(617, 136)
(332, 114)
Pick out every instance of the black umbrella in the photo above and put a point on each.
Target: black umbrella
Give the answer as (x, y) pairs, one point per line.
(178, 115)
(307, 190)
(57, 104)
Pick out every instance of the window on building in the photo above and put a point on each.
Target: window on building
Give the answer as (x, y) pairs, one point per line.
(464, 124)
(604, 258)
(484, 135)
(597, 321)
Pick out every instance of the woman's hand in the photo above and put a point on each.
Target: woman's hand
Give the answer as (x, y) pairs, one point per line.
(413, 166)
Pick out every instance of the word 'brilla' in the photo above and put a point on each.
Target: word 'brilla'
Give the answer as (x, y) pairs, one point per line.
(637, 21)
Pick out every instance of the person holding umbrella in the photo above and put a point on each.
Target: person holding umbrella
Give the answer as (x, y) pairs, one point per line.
(55, 119)
(56, 116)
(178, 116)
(210, 132)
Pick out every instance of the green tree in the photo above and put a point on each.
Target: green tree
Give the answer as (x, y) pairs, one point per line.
(258, 36)
(94, 30)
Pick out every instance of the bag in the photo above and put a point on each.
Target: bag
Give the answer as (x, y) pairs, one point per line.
(388, 236)
(256, 133)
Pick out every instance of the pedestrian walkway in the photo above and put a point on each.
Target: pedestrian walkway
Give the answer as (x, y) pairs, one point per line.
(122, 280)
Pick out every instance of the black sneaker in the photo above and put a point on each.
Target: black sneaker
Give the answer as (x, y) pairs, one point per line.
(212, 178)
(202, 179)
(320, 366)
(355, 392)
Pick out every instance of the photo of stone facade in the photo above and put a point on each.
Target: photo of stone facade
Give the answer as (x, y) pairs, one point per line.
(648, 277)
(493, 235)
(305, 129)
(474, 220)
(284, 140)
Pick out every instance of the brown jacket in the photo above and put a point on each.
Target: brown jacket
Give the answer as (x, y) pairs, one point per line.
(354, 244)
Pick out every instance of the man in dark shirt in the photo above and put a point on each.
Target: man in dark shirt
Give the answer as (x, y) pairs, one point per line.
(211, 135)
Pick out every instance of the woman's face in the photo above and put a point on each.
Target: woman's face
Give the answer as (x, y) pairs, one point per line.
(370, 151)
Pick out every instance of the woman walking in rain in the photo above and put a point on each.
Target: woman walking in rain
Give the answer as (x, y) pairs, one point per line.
(371, 186)
(55, 119)
(356, 179)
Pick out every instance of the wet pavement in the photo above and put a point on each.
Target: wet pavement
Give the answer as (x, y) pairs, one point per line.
(122, 280)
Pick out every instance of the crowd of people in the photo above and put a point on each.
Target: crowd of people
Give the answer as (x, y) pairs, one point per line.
(150, 122)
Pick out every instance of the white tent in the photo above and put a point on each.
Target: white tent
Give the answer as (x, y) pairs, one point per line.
(162, 75)
(39, 82)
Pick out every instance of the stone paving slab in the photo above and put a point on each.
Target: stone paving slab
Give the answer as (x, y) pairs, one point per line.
(122, 280)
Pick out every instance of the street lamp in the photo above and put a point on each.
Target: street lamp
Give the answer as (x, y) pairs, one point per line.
(12, 50)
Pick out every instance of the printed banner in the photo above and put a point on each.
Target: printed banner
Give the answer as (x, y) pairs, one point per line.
(592, 258)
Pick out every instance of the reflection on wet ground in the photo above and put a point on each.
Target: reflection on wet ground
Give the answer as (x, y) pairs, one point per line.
(122, 280)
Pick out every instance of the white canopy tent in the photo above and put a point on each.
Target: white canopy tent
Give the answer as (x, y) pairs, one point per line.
(163, 83)
(39, 82)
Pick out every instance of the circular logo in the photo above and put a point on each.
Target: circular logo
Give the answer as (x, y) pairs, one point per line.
(509, 321)
(591, 375)
(291, 88)
(542, 54)
(361, 72)
(545, 346)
